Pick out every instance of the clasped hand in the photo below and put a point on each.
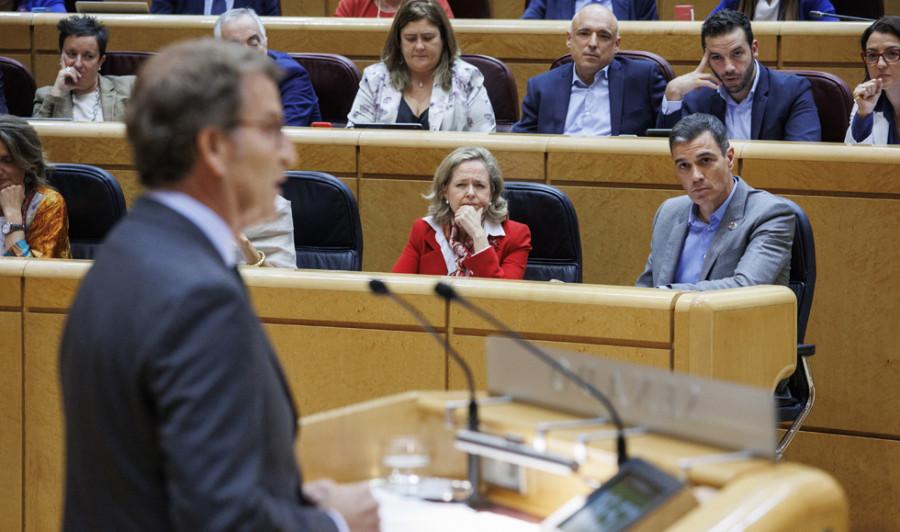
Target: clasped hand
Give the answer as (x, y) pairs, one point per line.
(469, 219)
(866, 95)
(11, 199)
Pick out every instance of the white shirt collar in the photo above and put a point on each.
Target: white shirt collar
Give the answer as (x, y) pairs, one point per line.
(490, 228)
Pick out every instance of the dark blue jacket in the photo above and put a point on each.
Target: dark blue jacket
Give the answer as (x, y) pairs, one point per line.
(805, 7)
(546, 103)
(565, 9)
(783, 108)
(195, 7)
(301, 106)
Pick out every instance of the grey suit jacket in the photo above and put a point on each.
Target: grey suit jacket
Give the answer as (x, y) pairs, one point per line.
(115, 92)
(752, 245)
(177, 413)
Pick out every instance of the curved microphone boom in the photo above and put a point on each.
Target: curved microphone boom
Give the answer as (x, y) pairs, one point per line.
(447, 292)
(378, 287)
(847, 18)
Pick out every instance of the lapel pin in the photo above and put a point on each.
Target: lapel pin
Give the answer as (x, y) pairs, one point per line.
(732, 225)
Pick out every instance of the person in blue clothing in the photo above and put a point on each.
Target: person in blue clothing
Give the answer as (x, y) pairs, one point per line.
(26, 6)
(213, 7)
(777, 9)
(598, 93)
(566, 9)
(753, 101)
(301, 105)
(874, 117)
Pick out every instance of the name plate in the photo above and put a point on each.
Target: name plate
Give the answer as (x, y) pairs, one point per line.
(723, 414)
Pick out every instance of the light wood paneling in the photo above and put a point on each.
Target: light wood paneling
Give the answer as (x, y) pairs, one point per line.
(11, 411)
(44, 442)
(865, 467)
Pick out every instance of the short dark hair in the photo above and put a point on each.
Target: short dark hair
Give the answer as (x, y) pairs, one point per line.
(83, 26)
(392, 54)
(692, 126)
(725, 22)
(25, 150)
(889, 24)
(187, 87)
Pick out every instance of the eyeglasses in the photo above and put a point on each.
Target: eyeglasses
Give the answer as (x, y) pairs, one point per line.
(890, 56)
(272, 130)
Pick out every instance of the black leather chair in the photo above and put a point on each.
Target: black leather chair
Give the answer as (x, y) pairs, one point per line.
(501, 88)
(327, 228)
(123, 63)
(665, 69)
(872, 9)
(18, 87)
(794, 406)
(555, 239)
(470, 8)
(335, 80)
(834, 101)
(94, 201)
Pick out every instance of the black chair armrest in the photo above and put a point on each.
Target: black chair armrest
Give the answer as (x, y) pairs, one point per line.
(806, 350)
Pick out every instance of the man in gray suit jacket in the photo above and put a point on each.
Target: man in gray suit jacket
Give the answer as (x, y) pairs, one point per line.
(178, 416)
(724, 233)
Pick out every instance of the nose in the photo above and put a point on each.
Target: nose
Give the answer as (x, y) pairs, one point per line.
(696, 174)
(288, 153)
(470, 190)
(78, 61)
(592, 42)
(882, 62)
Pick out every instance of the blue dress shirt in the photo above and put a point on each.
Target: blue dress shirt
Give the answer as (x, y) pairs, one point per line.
(696, 244)
(589, 113)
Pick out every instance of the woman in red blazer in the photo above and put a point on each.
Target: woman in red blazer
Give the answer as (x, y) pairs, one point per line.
(467, 232)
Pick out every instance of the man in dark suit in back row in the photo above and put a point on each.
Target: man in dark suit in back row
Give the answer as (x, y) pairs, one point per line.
(597, 93)
(753, 101)
(212, 7)
(178, 416)
(566, 9)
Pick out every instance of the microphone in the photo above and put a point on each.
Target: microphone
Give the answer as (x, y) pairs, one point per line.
(819, 14)
(379, 288)
(448, 293)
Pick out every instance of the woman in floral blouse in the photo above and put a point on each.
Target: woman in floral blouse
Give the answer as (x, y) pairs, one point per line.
(33, 217)
(421, 78)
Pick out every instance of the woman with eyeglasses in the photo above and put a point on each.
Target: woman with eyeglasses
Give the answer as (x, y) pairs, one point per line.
(876, 111)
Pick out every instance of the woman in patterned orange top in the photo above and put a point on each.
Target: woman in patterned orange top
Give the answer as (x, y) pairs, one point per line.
(33, 217)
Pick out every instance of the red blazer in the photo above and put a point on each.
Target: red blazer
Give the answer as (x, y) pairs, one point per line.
(505, 260)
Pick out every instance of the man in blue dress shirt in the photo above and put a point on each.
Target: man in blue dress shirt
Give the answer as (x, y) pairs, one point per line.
(723, 233)
(597, 93)
(752, 100)
(566, 9)
(243, 26)
(212, 7)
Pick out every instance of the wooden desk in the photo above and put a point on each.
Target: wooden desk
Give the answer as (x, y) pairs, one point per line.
(528, 47)
(340, 344)
(744, 492)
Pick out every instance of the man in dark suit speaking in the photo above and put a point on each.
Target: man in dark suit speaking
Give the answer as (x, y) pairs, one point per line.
(177, 414)
(598, 93)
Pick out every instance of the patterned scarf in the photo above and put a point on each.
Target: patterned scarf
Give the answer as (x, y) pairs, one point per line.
(464, 250)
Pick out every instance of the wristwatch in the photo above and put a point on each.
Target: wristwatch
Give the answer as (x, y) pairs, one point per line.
(8, 228)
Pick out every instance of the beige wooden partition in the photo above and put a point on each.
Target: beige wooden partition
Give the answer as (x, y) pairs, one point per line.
(339, 344)
(527, 47)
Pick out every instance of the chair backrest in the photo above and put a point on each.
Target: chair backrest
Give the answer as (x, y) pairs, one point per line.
(501, 88)
(327, 228)
(873, 9)
(834, 101)
(803, 267)
(18, 87)
(123, 63)
(470, 8)
(335, 80)
(555, 239)
(94, 201)
(665, 69)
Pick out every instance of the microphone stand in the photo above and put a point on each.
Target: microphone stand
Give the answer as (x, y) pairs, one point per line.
(475, 498)
(447, 292)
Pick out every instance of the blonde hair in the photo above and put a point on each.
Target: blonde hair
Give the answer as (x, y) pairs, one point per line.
(440, 209)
